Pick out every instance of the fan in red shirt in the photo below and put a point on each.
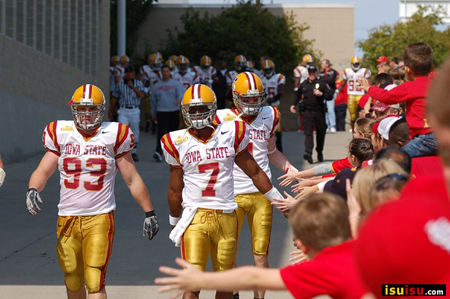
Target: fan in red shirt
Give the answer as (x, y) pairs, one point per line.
(340, 106)
(321, 230)
(418, 58)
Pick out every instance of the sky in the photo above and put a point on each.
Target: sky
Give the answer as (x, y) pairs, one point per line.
(368, 13)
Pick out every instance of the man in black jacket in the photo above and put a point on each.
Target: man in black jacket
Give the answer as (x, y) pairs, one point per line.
(311, 95)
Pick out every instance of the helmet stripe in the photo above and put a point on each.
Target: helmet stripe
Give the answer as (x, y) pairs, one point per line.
(251, 81)
(199, 88)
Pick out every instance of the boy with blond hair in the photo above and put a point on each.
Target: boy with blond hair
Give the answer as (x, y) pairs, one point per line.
(321, 230)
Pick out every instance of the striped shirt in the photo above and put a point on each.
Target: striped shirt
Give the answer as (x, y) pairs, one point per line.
(126, 95)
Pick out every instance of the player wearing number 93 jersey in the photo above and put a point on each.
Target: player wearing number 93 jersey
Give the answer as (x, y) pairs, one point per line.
(202, 158)
(88, 153)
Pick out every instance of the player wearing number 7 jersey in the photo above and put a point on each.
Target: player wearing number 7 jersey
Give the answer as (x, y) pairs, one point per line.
(201, 160)
(262, 123)
(350, 78)
(88, 154)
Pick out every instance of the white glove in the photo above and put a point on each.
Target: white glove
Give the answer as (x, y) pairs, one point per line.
(151, 225)
(32, 201)
(2, 177)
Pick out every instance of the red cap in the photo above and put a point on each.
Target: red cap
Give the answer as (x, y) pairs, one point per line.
(382, 58)
(380, 107)
(406, 241)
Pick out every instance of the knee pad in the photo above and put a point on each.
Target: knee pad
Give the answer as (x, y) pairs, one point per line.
(95, 279)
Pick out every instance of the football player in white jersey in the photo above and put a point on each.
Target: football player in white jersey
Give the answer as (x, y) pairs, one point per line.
(206, 72)
(262, 122)
(301, 71)
(201, 160)
(88, 152)
(119, 70)
(350, 78)
(156, 62)
(183, 75)
(274, 87)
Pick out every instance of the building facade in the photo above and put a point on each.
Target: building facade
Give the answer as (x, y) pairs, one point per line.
(48, 49)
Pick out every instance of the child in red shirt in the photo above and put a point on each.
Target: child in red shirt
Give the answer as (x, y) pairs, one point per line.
(418, 58)
(321, 230)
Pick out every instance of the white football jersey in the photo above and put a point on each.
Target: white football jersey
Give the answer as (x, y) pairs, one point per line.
(119, 71)
(154, 77)
(206, 76)
(146, 70)
(352, 77)
(87, 165)
(260, 130)
(271, 86)
(187, 79)
(301, 72)
(207, 164)
(230, 77)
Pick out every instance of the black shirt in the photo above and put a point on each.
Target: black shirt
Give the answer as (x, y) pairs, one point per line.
(329, 77)
(306, 89)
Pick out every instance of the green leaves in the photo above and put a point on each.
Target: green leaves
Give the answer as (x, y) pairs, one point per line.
(247, 28)
(391, 40)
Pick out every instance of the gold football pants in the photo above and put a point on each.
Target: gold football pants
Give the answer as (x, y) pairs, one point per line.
(84, 247)
(214, 233)
(353, 101)
(259, 216)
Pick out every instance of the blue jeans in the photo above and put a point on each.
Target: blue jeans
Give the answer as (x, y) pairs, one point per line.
(422, 145)
(330, 116)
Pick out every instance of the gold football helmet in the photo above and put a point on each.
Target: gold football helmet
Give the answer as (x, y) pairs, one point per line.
(91, 96)
(268, 68)
(241, 62)
(308, 59)
(205, 62)
(156, 61)
(124, 60)
(115, 60)
(356, 63)
(170, 64)
(182, 64)
(174, 58)
(245, 86)
(195, 96)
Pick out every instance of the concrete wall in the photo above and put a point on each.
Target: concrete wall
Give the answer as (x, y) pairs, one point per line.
(39, 73)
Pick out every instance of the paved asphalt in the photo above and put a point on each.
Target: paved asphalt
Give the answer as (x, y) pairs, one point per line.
(28, 263)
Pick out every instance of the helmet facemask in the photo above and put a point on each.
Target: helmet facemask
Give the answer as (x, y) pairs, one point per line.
(88, 120)
(198, 120)
(249, 108)
(268, 73)
(356, 66)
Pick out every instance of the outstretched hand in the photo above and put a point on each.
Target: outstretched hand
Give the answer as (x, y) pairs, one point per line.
(182, 280)
(365, 84)
(284, 204)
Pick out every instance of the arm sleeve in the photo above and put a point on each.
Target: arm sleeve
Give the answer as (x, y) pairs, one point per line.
(124, 140)
(170, 152)
(50, 138)
(153, 101)
(297, 96)
(322, 169)
(241, 137)
(396, 95)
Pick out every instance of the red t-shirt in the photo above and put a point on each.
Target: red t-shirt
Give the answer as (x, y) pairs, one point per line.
(338, 165)
(362, 102)
(332, 272)
(406, 241)
(341, 97)
(414, 94)
(426, 166)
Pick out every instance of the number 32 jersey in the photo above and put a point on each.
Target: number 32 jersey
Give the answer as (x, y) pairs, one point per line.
(87, 165)
(352, 77)
(207, 164)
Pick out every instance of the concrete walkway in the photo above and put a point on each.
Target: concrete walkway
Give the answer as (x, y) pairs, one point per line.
(28, 263)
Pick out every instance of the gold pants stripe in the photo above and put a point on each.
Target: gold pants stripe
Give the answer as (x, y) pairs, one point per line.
(353, 101)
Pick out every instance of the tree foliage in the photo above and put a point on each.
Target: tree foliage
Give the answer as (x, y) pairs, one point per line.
(247, 28)
(391, 40)
(136, 13)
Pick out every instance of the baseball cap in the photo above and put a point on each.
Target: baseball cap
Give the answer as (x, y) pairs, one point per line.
(312, 68)
(129, 68)
(382, 58)
(404, 241)
(380, 107)
(338, 184)
(386, 124)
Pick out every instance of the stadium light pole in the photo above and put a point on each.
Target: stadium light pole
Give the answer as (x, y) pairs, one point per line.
(121, 27)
